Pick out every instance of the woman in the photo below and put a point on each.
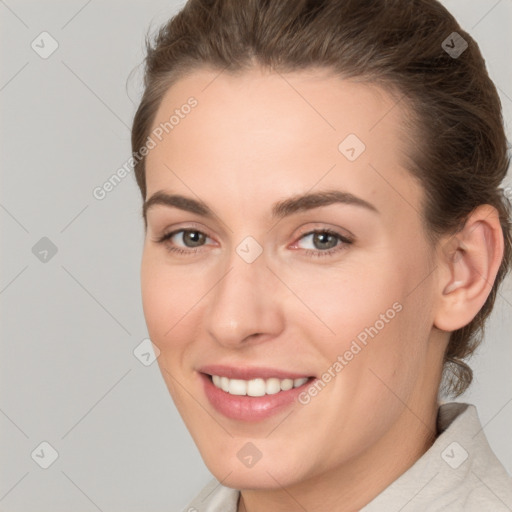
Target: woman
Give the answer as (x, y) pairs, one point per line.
(325, 238)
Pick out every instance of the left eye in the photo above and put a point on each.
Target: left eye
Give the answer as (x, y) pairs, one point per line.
(323, 240)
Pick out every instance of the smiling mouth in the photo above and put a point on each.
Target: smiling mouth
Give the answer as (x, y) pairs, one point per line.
(256, 387)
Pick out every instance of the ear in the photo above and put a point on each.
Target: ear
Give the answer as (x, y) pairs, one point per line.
(468, 263)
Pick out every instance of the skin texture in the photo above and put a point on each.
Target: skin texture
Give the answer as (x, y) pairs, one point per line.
(257, 138)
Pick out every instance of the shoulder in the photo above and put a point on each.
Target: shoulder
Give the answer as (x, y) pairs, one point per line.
(483, 480)
(214, 497)
(459, 472)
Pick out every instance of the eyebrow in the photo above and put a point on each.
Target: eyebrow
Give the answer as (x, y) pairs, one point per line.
(281, 209)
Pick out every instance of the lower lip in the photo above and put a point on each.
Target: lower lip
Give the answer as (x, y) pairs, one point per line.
(249, 408)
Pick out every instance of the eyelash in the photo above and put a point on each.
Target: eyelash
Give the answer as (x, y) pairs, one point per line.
(310, 252)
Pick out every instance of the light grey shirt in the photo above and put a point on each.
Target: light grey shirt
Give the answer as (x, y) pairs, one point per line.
(459, 473)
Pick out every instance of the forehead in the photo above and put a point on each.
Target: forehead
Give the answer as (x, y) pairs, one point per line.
(312, 104)
(261, 133)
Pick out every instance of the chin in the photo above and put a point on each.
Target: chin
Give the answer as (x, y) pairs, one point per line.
(271, 471)
(255, 478)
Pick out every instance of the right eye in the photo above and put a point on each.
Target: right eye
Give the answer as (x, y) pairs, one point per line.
(191, 239)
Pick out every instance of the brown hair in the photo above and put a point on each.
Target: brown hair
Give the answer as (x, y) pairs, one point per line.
(461, 158)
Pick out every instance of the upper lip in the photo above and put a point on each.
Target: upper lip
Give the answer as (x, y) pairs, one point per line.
(249, 372)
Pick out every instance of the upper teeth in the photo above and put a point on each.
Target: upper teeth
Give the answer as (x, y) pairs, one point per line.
(256, 387)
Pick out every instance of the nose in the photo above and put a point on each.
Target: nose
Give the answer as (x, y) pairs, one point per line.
(244, 306)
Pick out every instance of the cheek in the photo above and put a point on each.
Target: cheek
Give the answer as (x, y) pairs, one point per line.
(356, 302)
(168, 301)
(373, 331)
(379, 299)
(169, 295)
(156, 299)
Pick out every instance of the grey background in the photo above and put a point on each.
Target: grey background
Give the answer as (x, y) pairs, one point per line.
(70, 325)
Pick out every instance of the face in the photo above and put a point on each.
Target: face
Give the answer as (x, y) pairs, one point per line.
(319, 308)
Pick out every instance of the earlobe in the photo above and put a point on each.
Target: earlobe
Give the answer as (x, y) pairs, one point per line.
(469, 265)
